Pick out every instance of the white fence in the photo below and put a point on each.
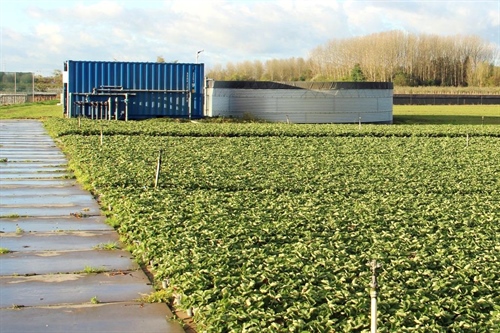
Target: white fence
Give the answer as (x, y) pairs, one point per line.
(7, 99)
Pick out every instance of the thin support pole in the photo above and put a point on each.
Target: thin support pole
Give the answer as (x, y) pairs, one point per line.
(373, 294)
(116, 108)
(158, 167)
(110, 111)
(189, 104)
(126, 107)
(373, 312)
(33, 87)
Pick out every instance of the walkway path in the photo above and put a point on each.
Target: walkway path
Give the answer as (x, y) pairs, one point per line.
(45, 284)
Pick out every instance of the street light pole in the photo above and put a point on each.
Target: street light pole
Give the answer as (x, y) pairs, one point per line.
(198, 54)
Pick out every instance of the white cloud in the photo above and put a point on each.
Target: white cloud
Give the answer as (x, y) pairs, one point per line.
(90, 39)
(494, 17)
(49, 36)
(44, 29)
(227, 30)
(103, 10)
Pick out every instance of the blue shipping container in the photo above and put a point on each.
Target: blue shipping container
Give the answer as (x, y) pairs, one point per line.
(132, 90)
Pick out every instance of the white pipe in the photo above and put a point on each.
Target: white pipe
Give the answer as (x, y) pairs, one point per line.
(158, 167)
(116, 108)
(373, 295)
(189, 105)
(126, 107)
(69, 105)
(109, 108)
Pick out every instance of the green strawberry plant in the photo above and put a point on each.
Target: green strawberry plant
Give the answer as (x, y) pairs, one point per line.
(268, 227)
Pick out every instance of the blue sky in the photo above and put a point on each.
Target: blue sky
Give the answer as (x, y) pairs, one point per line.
(39, 35)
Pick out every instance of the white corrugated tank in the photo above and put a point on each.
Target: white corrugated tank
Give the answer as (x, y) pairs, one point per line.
(301, 102)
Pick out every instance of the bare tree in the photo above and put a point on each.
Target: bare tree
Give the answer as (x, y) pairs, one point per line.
(423, 59)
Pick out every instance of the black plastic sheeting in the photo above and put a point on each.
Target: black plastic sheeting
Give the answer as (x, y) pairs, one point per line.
(299, 85)
(429, 99)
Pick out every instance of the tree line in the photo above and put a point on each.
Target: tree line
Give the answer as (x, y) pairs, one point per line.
(394, 56)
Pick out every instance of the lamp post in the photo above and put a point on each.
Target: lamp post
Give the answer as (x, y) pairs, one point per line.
(198, 54)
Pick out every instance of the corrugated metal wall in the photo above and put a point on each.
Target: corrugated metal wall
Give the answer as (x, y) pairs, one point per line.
(337, 102)
(133, 90)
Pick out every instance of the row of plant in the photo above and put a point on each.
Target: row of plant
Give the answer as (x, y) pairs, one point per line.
(167, 127)
(272, 233)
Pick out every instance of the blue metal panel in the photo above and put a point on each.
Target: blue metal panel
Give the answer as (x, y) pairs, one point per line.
(134, 89)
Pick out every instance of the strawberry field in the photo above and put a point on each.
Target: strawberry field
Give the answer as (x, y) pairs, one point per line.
(269, 227)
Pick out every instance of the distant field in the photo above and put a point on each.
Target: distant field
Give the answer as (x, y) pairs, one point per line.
(447, 114)
(448, 90)
(31, 110)
(403, 114)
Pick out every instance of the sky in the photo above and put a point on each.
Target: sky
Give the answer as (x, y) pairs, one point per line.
(39, 35)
